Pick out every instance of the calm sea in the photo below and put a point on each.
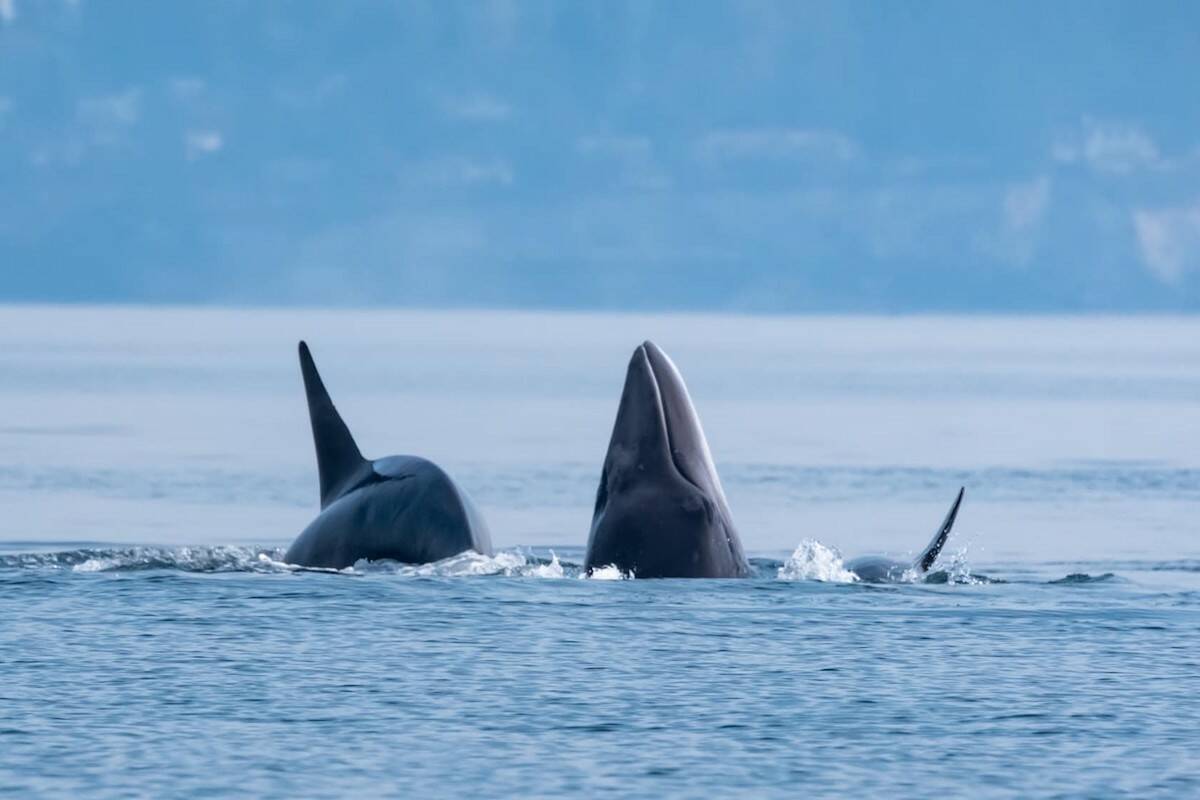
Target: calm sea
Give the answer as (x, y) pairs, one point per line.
(155, 463)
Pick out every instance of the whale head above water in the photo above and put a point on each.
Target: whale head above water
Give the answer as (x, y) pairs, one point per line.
(400, 508)
(660, 509)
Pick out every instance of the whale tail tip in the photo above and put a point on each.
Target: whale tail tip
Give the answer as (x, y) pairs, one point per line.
(929, 555)
(338, 457)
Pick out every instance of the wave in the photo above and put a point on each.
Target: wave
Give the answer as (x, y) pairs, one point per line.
(230, 558)
(1134, 565)
(506, 563)
(1079, 578)
(219, 558)
(812, 560)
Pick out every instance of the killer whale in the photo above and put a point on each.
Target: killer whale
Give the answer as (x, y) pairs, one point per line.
(878, 569)
(401, 508)
(660, 510)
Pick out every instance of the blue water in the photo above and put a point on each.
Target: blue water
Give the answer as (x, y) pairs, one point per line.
(156, 463)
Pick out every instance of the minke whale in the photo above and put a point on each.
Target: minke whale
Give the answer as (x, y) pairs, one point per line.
(401, 508)
(878, 569)
(660, 509)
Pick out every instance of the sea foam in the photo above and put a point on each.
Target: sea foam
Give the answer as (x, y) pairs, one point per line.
(814, 561)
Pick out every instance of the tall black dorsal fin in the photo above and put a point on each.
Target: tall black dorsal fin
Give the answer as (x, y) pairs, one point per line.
(930, 554)
(339, 462)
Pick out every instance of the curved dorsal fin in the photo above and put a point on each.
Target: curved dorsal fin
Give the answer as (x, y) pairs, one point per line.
(338, 458)
(930, 554)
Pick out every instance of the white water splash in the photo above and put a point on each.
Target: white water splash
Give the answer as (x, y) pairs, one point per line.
(187, 559)
(512, 563)
(813, 561)
(609, 573)
(464, 564)
(552, 570)
(958, 570)
(276, 564)
(95, 565)
(507, 563)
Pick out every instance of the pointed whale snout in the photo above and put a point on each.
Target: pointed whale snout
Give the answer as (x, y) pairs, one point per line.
(660, 509)
(400, 508)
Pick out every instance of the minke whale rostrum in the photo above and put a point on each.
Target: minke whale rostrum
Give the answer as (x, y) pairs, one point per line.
(878, 569)
(400, 508)
(660, 509)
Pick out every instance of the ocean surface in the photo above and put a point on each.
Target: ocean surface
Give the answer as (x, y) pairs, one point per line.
(155, 463)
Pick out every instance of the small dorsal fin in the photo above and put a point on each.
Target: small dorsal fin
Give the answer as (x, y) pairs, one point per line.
(930, 554)
(338, 458)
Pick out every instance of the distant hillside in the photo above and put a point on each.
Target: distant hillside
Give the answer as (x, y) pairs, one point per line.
(766, 155)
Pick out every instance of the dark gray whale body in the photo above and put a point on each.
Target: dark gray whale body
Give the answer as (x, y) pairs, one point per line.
(401, 508)
(877, 569)
(660, 509)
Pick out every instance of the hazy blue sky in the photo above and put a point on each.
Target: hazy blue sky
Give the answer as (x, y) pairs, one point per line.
(741, 155)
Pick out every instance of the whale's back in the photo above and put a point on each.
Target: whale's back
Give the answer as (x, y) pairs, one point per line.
(412, 512)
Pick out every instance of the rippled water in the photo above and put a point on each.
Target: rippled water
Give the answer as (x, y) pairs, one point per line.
(156, 463)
